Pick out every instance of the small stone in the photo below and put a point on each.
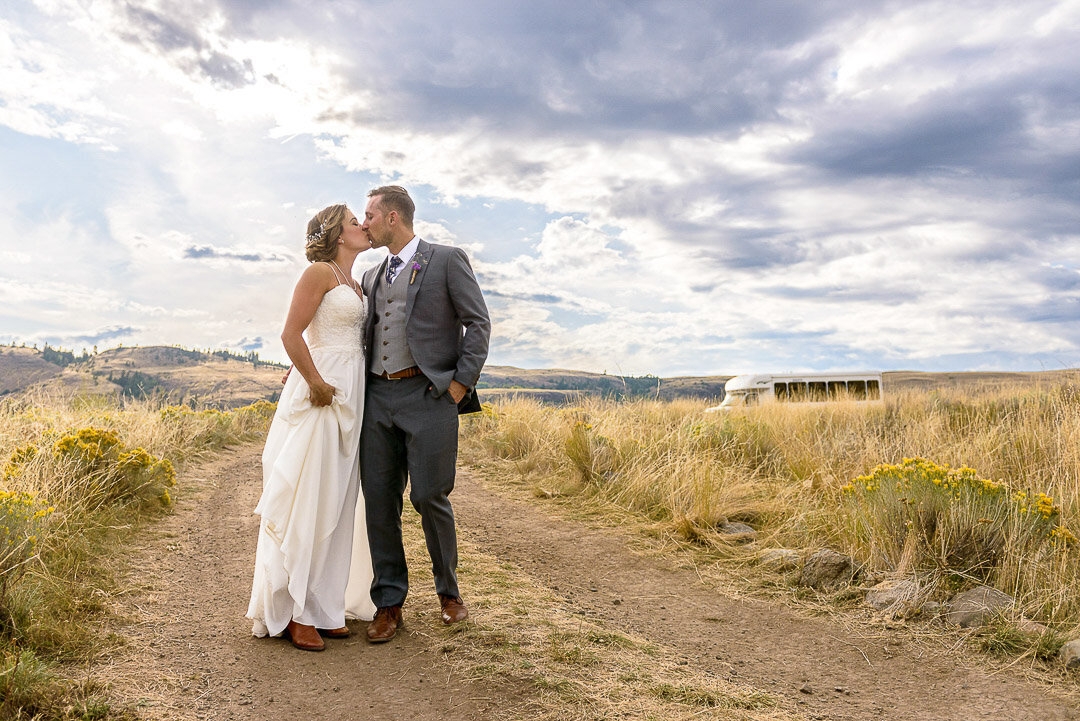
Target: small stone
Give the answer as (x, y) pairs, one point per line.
(1070, 653)
(738, 532)
(782, 559)
(736, 527)
(826, 569)
(895, 594)
(977, 606)
(805, 688)
(1033, 627)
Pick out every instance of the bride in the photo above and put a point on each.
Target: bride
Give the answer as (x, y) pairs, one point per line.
(312, 564)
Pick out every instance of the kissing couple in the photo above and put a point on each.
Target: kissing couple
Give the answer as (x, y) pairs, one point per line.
(379, 381)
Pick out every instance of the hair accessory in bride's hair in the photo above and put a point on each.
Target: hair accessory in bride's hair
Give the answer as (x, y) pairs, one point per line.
(316, 238)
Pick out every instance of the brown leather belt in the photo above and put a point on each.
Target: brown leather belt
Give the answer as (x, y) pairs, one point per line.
(407, 373)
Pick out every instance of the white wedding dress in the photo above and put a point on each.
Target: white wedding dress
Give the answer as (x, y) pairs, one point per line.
(312, 563)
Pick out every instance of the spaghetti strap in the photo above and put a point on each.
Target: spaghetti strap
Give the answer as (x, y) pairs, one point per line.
(337, 274)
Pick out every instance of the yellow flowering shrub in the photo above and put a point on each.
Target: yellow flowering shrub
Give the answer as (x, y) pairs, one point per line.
(951, 518)
(21, 518)
(18, 459)
(212, 428)
(90, 448)
(104, 471)
(261, 410)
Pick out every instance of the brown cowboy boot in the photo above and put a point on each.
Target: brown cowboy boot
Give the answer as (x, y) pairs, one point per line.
(342, 632)
(304, 637)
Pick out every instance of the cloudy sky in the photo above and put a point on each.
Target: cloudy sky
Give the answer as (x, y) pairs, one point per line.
(643, 187)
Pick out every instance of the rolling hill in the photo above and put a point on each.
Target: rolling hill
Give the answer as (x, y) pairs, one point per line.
(226, 380)
(177, 375)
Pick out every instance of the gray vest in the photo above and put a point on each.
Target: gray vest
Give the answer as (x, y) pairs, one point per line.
(391, 351)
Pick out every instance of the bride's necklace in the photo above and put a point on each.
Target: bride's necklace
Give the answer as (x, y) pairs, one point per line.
(352, 283)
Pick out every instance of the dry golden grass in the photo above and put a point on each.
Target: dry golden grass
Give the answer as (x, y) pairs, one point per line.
(784, 469)
(78, 473)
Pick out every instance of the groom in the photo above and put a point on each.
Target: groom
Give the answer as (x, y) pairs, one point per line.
(426, 336)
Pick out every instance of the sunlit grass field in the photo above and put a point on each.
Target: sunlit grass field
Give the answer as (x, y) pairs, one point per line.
(77, 475)
(952, 490)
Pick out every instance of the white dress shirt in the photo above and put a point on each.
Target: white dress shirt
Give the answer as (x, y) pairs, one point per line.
(406, 255)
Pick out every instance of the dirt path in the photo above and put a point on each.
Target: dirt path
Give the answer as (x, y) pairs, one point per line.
(816, 663)
(190, 654)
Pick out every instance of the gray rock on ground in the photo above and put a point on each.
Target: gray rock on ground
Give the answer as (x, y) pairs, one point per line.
(1070, 653)
(1033, 627)
(897, 595)
(977, 606)
(739, 532)
(782, 559)
(826, 569)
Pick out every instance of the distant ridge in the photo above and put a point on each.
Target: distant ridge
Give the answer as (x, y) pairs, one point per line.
(177, 375)
(229, 379)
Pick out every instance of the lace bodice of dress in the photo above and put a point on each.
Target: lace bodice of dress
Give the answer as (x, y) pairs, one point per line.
(338, 322)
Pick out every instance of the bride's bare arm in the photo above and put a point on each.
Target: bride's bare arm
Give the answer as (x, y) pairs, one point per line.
(313, 285)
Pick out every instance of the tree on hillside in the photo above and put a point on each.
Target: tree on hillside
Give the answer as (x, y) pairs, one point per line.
(59, 356)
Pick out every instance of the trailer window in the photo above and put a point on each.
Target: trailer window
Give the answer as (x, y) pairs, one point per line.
(857, 389)
(873, 391)
(817, 391)
(797, 391)
(837, 390)
(781, 391)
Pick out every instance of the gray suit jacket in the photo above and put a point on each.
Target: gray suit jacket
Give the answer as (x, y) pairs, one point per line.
(446, 320)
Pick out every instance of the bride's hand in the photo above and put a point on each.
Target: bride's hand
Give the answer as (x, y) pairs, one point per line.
(322, 394)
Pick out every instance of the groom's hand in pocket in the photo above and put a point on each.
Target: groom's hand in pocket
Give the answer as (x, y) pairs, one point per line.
(457, 391)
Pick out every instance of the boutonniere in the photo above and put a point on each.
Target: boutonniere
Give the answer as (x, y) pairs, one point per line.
(415, 269)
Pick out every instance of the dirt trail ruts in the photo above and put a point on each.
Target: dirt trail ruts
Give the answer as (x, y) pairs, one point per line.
(817, 663)
(190, 653)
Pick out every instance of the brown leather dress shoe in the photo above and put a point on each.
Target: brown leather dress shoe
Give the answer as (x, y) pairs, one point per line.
(342, 632)
(304, 637)
(385, 624)
(453, 609)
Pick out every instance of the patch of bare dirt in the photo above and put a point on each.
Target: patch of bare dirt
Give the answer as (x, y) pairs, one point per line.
(829, 672)
(190, 654)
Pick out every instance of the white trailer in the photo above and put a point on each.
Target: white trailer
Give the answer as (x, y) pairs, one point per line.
(758, 389)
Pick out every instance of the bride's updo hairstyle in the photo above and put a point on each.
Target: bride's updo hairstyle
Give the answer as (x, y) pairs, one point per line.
(323, 232)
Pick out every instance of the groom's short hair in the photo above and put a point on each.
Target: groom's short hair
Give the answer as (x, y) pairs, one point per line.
(394, 197)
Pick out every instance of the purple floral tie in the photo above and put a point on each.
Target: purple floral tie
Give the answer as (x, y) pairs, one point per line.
(391, 270)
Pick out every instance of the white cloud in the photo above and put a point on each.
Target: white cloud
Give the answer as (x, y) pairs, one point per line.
(716, 201)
